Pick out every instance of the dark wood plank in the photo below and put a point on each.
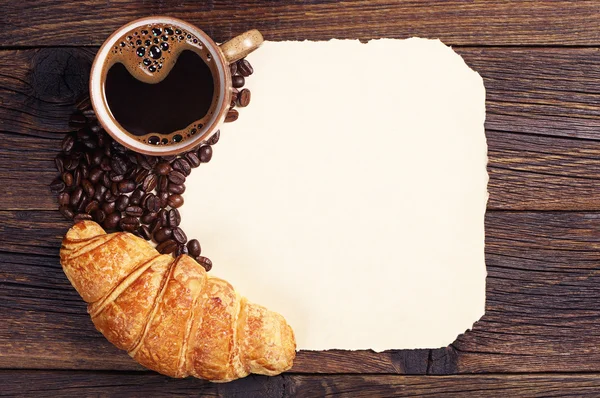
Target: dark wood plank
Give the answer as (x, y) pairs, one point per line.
(561, 22)
(77, 384)
(541, 314)
(543, 124)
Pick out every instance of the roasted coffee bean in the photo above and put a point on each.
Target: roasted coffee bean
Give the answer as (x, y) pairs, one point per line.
(89, 113)
(67, 143)
(163, 234)
(114, 177)
(167, 247)
(173, 218)
(193, 247)
(176, 177)
(152, 203)
(134, 211)
(118, 164)
(142, 161)
(90, 144)
(100, 191)
(205, 153)
(71, 163)
(76, 196)
(84, 170)
(150, 182)
(234, 95)
(97, 157)
(82, 217)
(205, 262)
(59, 163)
(163, 196)
(83, 134)
(100, 137)
(88, 157)
(82, 204)
(77, 177)
(88, 187)
(77, 120)
(214, 138)
(57, 186)
(182, 166)
(118, 148)
(99, 216)
(145, 232)
(130, 175)
(163, 183)
(136, 197)
(233, 68)
(106, 180)
(140, 176)
(163, 215)
(163, 168)
(67, 212)
(122, 202)
(244, 68)
(175, 200)
(92, 206)
(112, 220)
(64, 199)
(109, 207)
(96, 128)
(168, 158)
(238, 81)
(243, 98)
(149, 217)
(67, 178)
(114, 188)
(155, 226)
(126, 186)
(105, 164)
(179, 235)
(181, 250)
(232, 116)
(109, 197)
(129, 223)
(176, 188)
(192, 159)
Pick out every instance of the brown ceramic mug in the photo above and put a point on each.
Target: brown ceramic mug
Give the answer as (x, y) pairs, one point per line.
(148, 50)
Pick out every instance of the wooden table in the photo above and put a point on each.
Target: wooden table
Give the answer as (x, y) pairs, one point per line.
(541, 65)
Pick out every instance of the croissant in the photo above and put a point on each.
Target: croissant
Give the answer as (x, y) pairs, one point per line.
(167, 313)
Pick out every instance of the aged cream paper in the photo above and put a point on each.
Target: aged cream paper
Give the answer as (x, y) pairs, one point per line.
(350, 195)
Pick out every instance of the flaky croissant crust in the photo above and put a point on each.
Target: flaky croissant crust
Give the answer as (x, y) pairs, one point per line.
(169, 314)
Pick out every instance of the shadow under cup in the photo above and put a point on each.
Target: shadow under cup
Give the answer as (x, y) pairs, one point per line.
(160, 86)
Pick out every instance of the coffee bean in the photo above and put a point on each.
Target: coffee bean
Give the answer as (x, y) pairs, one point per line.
(136, 197)
(81, 217)
(109, 197)
(181, 250)
(150, 182)
(145, 232)
(142, 160)
(134, 211)
(238, 81)
(234, 94)
(233, 68)
(126, 186)
(67, 212)
(130, 175)
(100, 137)
(105, 164)
(176, 177)
(244, 68)
(99, 216)
(163, 168)
(88, 187)
(173, 218)
(193, 247)
(122, 202)
(96, 158)
(109, 207)
(118, 148)
(168, 158)
(95, 174)
(114, 177)
(205, 262)
(112, 220)
(67, 178)
(155, 226)
(192, 159)
(114, 188)
(129, 223)
(92, 206)
(163, 234)
(64, 199)
(175, 200)
(118, 164)
(163, 215)
(167, 247)
(67, 143)
(176, 188)
(179, 235)
(149, 217)
(214, 138)
(82, 204)
(76, 196)
(205, 153)
(182, 166)
(163, 197)
(163, 183)
(243, 98)
(232, 116)
(59, 163)
(100, 192)
(77, 177)
(84, 170)
(90, 144)
(152, 203)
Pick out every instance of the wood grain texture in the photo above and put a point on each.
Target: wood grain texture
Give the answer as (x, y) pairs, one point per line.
(541, 312)
(543, 123)
(492, 22)
(77, 384)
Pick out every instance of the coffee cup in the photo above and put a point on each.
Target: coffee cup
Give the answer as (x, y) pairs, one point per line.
(160, 86)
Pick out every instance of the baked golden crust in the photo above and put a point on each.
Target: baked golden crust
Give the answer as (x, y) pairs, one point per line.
(170, 315)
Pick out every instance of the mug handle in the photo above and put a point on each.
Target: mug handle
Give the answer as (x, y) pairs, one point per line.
(242, 45)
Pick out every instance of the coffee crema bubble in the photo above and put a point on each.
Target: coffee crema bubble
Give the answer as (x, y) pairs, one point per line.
(161, 84)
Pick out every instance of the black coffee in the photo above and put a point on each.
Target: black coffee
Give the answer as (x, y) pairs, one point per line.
(183, 97)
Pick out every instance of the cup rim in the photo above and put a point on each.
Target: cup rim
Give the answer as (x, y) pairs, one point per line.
(116, 131)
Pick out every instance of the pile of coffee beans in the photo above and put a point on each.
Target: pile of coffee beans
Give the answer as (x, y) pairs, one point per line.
(122, 190)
